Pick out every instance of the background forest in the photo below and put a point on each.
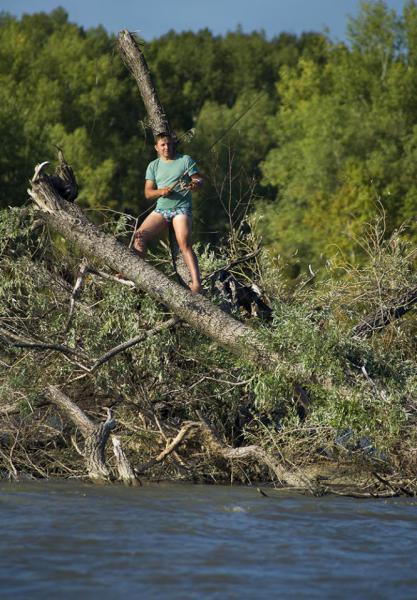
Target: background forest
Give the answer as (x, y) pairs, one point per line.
(330, 140)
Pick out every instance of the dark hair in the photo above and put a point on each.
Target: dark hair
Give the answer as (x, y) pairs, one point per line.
(171, 136)
(161, 136)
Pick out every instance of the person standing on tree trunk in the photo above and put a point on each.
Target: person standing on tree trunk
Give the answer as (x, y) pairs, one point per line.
(170, 179)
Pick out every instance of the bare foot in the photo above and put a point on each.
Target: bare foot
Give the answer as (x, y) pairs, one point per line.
(196, 288)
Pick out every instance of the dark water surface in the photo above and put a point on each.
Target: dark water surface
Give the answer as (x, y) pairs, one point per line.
(72, 540)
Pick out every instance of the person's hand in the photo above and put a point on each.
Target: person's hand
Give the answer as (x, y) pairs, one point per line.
(164, 192)
(195, 183)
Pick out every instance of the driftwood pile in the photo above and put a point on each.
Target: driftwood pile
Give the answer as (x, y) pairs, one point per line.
(54, 197)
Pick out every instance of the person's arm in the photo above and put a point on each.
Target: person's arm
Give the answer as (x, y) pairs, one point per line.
(152, 193)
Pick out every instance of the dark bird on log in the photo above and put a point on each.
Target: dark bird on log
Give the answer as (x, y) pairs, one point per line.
(63, 179)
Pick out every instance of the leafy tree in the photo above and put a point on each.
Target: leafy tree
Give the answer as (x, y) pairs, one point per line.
(228, 144)
(344, 141)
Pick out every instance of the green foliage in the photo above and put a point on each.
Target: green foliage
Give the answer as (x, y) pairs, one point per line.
(333, 135)
(62, 85)
(344, 141)
(365, 387)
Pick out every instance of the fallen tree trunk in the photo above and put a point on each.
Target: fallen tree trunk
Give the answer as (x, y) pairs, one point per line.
(69, 221)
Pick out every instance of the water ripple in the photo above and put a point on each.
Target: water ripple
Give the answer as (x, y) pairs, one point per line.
(184, 542)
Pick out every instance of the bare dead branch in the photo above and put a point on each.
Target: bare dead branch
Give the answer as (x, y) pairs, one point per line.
(184, 432)
(386, 315)
(76, 292)
(105, 275)
(136, 63)
(95, 439)
(133, 341)
(217, 446)
(11, 468)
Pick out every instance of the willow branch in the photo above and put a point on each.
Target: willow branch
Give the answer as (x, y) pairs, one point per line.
(21, 342)
(132, 342)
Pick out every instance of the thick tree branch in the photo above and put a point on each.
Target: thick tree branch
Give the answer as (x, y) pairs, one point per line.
(136, 63)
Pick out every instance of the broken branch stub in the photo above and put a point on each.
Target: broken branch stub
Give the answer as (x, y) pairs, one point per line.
(95, 440)
(135, 61)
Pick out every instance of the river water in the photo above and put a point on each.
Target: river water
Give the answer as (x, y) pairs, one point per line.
(75, 540)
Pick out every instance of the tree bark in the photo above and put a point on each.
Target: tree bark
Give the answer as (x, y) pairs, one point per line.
(95, 440)
(124, 469)
(136, 63)
(69, 221)
(95, 437)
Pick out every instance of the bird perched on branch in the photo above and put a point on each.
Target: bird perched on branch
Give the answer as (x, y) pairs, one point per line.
(63, 179)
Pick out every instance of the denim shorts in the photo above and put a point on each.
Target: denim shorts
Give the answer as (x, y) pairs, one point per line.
(170, 213)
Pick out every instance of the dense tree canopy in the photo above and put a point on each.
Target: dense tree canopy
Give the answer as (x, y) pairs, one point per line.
(63, 85)
(345, 139)
(318, 135)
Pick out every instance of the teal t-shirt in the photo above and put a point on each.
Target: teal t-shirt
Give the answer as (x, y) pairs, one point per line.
(165, 173)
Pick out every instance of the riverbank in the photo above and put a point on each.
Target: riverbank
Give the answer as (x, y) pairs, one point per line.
(334, 402)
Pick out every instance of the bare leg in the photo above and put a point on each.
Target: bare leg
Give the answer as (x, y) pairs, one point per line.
(182, 228)
(153, 225)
